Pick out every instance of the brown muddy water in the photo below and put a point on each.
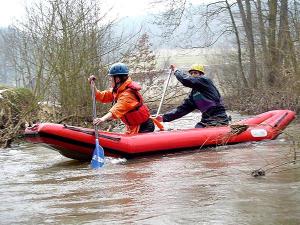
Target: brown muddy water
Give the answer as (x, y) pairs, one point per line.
(208, 186)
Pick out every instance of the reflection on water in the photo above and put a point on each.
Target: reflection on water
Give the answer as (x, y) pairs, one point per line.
(207, 186)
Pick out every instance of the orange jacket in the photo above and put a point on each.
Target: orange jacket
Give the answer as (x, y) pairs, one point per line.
(125, 102)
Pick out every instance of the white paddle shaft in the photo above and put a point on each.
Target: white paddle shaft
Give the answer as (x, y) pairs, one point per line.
(164, 92)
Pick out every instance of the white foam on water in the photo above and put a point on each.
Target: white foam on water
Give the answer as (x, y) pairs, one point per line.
(115, 160)
(14, 152)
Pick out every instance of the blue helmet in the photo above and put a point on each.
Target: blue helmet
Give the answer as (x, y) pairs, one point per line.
(118, 69)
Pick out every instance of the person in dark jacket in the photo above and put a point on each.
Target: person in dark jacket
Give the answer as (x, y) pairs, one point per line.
(204, 97)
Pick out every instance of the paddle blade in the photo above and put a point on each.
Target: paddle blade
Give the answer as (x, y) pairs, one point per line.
(98, 156)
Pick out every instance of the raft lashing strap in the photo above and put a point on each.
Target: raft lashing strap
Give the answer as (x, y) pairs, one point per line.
(91, 132)
(238, 128)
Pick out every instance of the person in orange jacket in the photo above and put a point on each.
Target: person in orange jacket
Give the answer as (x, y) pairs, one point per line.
(128, 103)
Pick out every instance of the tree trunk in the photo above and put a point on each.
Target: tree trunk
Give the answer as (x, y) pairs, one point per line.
(236, 32)
(262, 35)
(247, 23)
(273, 50)
(287, 56)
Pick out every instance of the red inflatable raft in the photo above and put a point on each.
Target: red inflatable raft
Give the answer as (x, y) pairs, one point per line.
(78, 143)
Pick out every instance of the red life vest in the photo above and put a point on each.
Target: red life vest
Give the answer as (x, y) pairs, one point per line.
(141, 113)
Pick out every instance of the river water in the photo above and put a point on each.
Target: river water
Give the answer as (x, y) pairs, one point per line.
(208, 186)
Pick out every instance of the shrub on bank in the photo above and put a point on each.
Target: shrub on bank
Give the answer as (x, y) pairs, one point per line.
(250, 101)
(16, 108)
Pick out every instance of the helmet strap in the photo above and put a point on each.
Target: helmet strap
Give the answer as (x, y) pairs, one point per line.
(122, 79)
(117, 84)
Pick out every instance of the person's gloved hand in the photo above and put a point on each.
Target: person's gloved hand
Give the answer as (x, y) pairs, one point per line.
(159, 118)
(92, 78)
(172, 67)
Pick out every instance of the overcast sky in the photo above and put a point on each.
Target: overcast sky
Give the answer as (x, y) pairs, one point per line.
(10, 9)
(14, 9)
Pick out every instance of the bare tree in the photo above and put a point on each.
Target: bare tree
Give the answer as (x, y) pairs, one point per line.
(60, 44)
(263, 37)
(246, 16)
(287, 55)
(142, 61)
(273, 50)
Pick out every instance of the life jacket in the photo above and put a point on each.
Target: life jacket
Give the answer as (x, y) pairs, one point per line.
(141, 113)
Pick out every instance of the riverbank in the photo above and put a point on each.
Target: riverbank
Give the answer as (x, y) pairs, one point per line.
(16, 108)
(255, 102)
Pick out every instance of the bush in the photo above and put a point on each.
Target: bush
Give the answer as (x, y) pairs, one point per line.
(17, 106)
(253, 101)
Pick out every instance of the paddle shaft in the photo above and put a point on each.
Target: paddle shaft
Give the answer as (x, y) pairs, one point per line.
(94, 108)
(164, 92)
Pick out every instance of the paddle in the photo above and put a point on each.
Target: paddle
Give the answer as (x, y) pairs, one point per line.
(98, 154)
(164, 92)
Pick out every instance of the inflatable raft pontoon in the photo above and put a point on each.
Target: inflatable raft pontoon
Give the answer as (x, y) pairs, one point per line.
(79, 143)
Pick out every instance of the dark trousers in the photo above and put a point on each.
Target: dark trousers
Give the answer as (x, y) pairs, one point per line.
(216, 116)
(147, 126)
